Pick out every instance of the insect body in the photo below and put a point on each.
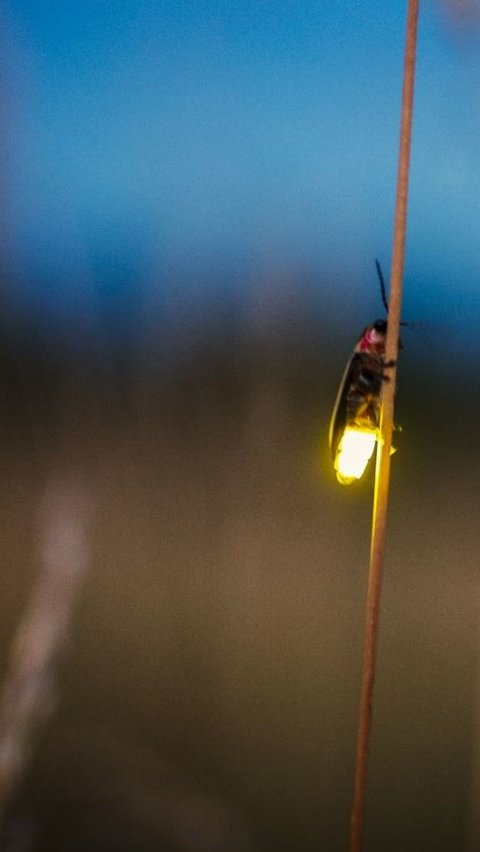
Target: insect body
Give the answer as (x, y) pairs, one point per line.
(356, 415)
(355, 423)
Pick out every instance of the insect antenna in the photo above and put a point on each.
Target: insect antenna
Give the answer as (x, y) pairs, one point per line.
(382, 285)
(384, 294)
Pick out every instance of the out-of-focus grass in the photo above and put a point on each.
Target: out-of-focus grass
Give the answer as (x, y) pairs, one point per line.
(220, 629)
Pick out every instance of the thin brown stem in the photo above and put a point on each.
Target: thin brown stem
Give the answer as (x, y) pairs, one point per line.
(382, 474)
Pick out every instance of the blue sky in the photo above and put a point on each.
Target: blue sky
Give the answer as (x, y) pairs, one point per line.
(160, 142)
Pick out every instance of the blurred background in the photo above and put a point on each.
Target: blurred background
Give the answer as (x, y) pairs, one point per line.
(193, 196)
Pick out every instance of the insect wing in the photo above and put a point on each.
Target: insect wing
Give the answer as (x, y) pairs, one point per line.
(339, 415)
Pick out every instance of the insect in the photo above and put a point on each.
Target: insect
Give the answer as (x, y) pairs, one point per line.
(355, 422)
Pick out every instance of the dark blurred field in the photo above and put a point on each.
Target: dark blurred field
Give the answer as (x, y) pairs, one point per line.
(208, 695)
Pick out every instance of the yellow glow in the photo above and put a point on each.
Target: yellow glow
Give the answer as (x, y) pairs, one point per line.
(354, 451)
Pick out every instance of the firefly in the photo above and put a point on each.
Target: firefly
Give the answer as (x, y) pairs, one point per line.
(355, 421)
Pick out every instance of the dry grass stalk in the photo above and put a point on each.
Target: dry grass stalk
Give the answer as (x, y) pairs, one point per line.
(28, 696)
